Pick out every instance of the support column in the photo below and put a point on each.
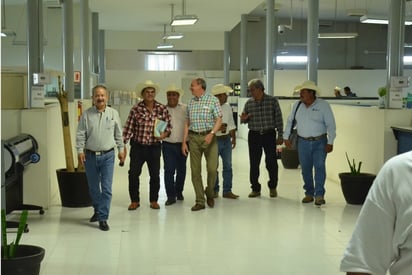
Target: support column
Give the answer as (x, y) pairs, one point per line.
(84, 51)
(35, 40)
(270, 23)
(313, 32)
(68, 51)
(102, 60)
(243, 56)
(95, 42)
(226, 58)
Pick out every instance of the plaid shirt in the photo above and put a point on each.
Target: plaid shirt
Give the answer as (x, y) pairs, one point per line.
(202, 112)
(140, 123)
(264, 115)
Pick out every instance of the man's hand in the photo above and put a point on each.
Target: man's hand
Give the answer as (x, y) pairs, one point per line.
(244, 117)
(82, 158)
(288, 144)
(329, 148)
(185, 149)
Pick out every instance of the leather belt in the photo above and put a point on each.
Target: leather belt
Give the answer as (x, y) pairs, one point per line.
(263, 132)
(99, 153)
(199, 133)
(313, 138)
(223, 137)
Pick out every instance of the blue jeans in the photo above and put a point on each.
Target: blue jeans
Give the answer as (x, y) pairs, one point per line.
(225, 152)
(312, 155)
(99, 172)
(174, 163)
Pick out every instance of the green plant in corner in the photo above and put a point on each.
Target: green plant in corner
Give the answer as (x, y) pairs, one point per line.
(382, 91)
(352, 165)
(9, 250)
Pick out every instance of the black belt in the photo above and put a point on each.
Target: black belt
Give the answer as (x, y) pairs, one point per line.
(313, 138)
(172, 143)
(223, 137)
(199, 133)
(99, 153)
(263, 132)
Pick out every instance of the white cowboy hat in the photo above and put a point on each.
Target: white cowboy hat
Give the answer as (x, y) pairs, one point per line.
(148, 83)
(309, 85)
(172, 88)
(221, 89)
(337, 88)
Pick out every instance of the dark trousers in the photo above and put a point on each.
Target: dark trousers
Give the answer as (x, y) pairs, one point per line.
(174, 168)
(257, 143)
(139, 154)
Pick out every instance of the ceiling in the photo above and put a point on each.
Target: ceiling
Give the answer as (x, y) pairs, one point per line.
(220, 15)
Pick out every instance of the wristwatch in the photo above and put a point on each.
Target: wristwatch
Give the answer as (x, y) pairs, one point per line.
(212, 132)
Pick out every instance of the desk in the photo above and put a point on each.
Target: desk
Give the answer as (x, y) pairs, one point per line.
(404, 136)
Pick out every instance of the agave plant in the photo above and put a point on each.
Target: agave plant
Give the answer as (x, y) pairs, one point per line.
(9, 249)
(352, 165)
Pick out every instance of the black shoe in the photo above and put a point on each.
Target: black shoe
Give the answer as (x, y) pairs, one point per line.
(103, 226)
(170, 202)
(94, 218)
(180, 197)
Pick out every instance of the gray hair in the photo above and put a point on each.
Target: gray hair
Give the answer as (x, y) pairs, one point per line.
(99, 86)
(256, 83)
(201, 82)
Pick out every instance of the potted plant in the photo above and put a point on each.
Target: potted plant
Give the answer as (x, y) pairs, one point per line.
(355, 184)
(73, 187)
(18, 259)
(382, 93)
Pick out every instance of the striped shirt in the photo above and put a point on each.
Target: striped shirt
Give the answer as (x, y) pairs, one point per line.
(264, 115)
(140, 123)
(202, 112)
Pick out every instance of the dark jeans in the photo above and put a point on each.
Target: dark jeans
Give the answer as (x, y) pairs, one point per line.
(175, 168)
(139, 154)
(267, 142)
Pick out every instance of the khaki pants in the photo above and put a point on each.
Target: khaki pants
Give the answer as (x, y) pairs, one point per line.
(198, 147)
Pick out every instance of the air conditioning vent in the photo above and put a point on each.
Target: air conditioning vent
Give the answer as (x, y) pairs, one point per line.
(355, 12)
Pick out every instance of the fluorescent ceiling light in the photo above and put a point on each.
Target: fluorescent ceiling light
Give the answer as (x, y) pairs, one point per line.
(173, 35)
(337, 35)
(376, 20)
(287, 59)
(7, 32)
(164, 46)
(184, 20)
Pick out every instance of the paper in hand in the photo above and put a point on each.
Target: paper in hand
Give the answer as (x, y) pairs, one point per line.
(159, 127)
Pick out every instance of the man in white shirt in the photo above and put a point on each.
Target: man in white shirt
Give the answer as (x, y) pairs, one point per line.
(226, 140)
(382, 238)
(173, 158)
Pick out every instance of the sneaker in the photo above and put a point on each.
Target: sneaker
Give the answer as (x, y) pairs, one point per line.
(307, 199)
(154, 205)
(319, 200)
(133, 206)
(230, 195)
(254, 194)
(273, 193)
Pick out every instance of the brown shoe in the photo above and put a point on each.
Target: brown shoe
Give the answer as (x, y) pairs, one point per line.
(230, 195)
(210, 202)
(254, 194)
(319, 200)
(215, 195)
(198, 207)
(133, 206)
(307, 199)
(273, 193)
(154, 205)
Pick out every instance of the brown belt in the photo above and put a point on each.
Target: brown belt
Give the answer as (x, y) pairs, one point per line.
(313, 138)
(199, 133)
(223, 137)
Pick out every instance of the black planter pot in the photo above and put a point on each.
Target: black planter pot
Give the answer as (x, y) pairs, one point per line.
(290, 158)
(74, 190)
(355, 188)
(26, 262)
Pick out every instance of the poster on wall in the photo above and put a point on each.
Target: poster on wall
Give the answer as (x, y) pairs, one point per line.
(37, 96)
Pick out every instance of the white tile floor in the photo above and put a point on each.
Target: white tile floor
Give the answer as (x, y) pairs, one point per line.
(245, 236)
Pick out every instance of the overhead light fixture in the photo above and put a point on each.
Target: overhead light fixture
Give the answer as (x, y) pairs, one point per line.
(337, 35)
(4, 31)
(164, 46)
(378, 20)
(173, 35)
(183, 19)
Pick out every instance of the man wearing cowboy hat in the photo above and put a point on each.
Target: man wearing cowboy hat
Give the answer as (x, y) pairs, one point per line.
(316, 132)
(145, 146)
(203, 120)
(336, 91)
(173, 158)
(226, 141)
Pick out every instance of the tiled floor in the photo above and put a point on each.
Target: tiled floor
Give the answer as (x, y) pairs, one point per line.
(245, 236)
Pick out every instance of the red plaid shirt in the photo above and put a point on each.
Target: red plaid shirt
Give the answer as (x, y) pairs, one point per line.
(140, 123)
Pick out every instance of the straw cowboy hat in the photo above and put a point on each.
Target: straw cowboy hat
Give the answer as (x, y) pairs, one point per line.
(220, 89)
(148, 83)
(309, 85)
(172, 88)
(337, 88)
